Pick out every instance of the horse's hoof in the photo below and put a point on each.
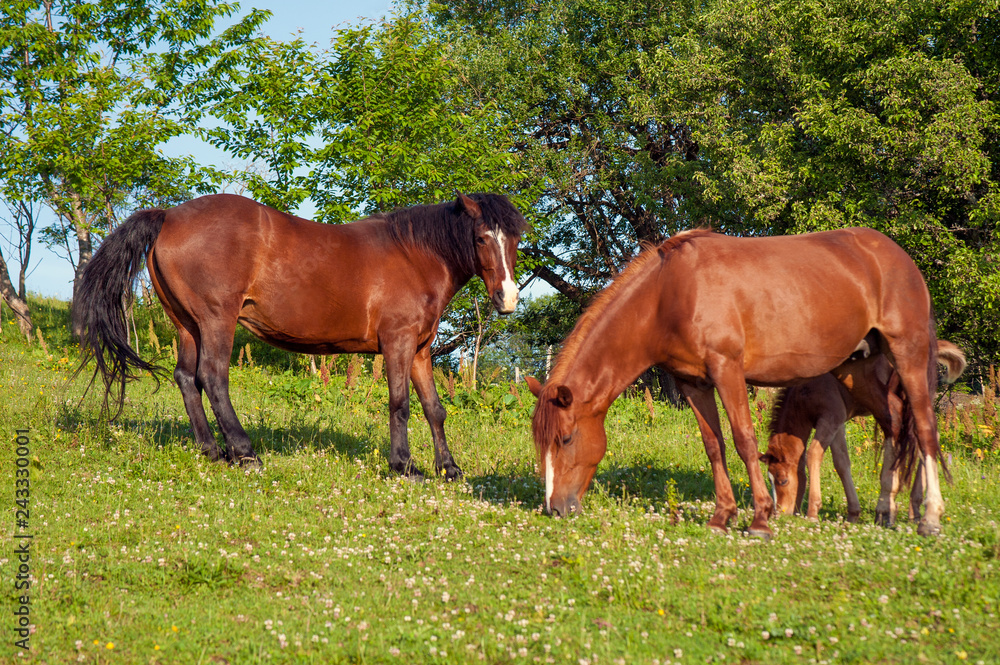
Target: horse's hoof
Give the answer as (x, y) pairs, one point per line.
(928, 529)
(451, 473)
(884, 520)
(214, 455)
(853, 517)
(250, 462)
(720, 530)
(764, 534)
(410, 473)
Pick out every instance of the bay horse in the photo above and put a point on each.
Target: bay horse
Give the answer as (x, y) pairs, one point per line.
(378, 285)
(859, 388)
(719, 312)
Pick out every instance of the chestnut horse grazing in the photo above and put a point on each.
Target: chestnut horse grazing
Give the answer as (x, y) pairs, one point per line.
(378, 285)
(824, 404)
(718, 312)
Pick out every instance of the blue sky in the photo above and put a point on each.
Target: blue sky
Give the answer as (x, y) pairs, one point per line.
(315, 21)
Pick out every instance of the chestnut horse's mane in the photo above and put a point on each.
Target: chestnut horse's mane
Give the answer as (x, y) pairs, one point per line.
(545, 424)
(600, 303)
(440, 229)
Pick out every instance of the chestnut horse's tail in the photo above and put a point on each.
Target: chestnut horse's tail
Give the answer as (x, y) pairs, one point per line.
(101, 301)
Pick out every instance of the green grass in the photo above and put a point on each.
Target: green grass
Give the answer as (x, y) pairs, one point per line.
(144, 552)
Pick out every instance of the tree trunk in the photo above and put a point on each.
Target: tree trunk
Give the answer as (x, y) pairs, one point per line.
(86, 251)
(26, 229)
(17, 304)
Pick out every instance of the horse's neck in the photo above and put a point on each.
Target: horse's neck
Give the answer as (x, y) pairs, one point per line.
(598, 371)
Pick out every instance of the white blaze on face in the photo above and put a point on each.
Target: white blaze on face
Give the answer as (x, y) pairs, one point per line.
(508, 286)
(549, 480)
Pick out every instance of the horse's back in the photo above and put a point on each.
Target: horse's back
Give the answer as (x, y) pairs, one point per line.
(810, 296)
(294, 283)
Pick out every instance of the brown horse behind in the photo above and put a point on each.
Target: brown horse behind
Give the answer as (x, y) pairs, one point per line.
(824, 404)
(378, 285)
(719, 312)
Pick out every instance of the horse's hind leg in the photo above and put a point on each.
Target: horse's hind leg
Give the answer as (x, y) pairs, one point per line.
(423, 382)
(186, 377)
(213, 373)
(917, 372)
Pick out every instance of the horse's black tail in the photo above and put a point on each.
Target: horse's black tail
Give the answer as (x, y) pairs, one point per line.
(101, 301)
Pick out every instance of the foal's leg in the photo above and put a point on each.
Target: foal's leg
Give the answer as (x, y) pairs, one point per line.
(731, 384)
(814, 461)
(842, 464)
(190, 387)
(917, 491)
(423, 382)
(885, 509)
(887, 408)
(703, 404)
(213, 372)
(398, 363)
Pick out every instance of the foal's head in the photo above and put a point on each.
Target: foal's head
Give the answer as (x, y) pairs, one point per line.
(570, 441)
(497, 228)
(786, 467)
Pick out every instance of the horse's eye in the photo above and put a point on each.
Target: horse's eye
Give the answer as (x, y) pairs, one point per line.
(480, 241)
(782, 482)
(568, 439)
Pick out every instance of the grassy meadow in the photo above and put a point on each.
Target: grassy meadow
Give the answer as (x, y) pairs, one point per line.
(142, 551)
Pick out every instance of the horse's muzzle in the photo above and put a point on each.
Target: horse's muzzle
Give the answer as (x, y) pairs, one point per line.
(564, 508)
(504, 301)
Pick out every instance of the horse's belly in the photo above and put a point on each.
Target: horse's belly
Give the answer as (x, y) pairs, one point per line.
(788, 370)
(311, 330)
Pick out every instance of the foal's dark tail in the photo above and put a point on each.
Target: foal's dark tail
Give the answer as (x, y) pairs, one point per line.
(104, 294)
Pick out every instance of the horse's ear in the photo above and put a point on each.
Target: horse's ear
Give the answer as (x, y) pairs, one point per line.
(464, 204)
(533, 385)
(564, 397)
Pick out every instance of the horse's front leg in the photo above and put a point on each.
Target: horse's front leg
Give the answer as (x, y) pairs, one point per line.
(731, 384)
(423, 382)
(398, 361)
(814, 462)
(703, 404)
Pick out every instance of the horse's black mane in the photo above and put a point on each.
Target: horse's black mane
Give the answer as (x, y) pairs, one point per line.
(443, 229)
(778, 410)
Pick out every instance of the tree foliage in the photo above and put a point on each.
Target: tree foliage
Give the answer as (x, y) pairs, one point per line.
(762, 118)
(88, 96)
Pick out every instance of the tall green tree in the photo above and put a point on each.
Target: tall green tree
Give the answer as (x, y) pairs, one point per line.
(88, 95)
(380, 119)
